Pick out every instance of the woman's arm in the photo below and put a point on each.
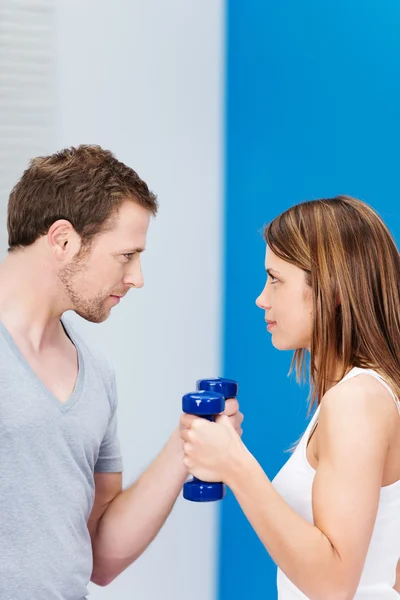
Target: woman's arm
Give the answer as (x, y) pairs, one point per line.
(397, 584)
(324, 559)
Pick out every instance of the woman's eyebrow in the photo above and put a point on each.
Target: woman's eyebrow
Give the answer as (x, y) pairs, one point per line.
(272, 271)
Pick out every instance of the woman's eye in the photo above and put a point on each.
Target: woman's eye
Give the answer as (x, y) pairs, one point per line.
(270, 277)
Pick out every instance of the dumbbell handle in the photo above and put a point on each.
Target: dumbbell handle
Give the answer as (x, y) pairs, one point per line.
(207, 402)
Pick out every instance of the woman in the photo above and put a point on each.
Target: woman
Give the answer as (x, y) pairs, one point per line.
(331, 517)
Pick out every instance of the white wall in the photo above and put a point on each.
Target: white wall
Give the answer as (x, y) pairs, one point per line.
(26, 91)
(144, 79)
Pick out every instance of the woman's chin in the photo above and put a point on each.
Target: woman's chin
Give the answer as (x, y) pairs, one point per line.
(281, 344)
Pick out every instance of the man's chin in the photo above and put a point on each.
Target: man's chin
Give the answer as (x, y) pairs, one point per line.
(93, 318)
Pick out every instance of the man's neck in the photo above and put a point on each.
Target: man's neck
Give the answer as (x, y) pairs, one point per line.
(28, 298)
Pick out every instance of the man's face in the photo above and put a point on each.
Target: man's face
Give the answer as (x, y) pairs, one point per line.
(96, 280)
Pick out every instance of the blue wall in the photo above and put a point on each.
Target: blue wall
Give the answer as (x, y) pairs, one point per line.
(312, 109)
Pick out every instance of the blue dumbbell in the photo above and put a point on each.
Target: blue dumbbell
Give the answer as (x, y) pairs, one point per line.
(207, 402)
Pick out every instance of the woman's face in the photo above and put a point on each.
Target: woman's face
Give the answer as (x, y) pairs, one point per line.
(287, 302)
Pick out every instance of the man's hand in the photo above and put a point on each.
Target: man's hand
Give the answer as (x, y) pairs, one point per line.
(235, 416)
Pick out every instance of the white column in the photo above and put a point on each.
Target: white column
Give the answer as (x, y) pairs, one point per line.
(26, 91)
(145, 79)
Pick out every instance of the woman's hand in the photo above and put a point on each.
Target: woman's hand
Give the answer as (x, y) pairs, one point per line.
(212, 449)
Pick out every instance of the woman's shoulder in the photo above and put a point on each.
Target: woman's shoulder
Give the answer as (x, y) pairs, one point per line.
(360, 400)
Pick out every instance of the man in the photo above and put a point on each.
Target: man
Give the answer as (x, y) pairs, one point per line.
(77, 223)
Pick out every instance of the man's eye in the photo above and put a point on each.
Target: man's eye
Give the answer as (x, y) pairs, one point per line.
(129, 255)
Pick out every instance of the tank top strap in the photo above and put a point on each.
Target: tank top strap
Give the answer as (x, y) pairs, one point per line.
(358, 371)
(352, 373)
(312, 424)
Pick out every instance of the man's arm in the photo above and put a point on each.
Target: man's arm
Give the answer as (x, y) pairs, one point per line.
(124, 523)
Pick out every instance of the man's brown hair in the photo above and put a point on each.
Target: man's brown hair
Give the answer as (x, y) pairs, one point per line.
(84, 185)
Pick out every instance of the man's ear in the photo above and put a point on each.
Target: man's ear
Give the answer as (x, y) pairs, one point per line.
(62, 239)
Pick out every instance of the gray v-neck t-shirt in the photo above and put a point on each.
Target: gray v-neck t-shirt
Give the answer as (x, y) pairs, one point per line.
(49, 452)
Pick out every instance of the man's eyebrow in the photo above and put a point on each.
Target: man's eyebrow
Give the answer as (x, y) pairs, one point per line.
(132, 250)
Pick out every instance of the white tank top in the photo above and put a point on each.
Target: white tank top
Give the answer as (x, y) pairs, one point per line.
(294, 483)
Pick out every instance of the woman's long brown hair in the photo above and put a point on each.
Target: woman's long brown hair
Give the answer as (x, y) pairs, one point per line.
(352, 265)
